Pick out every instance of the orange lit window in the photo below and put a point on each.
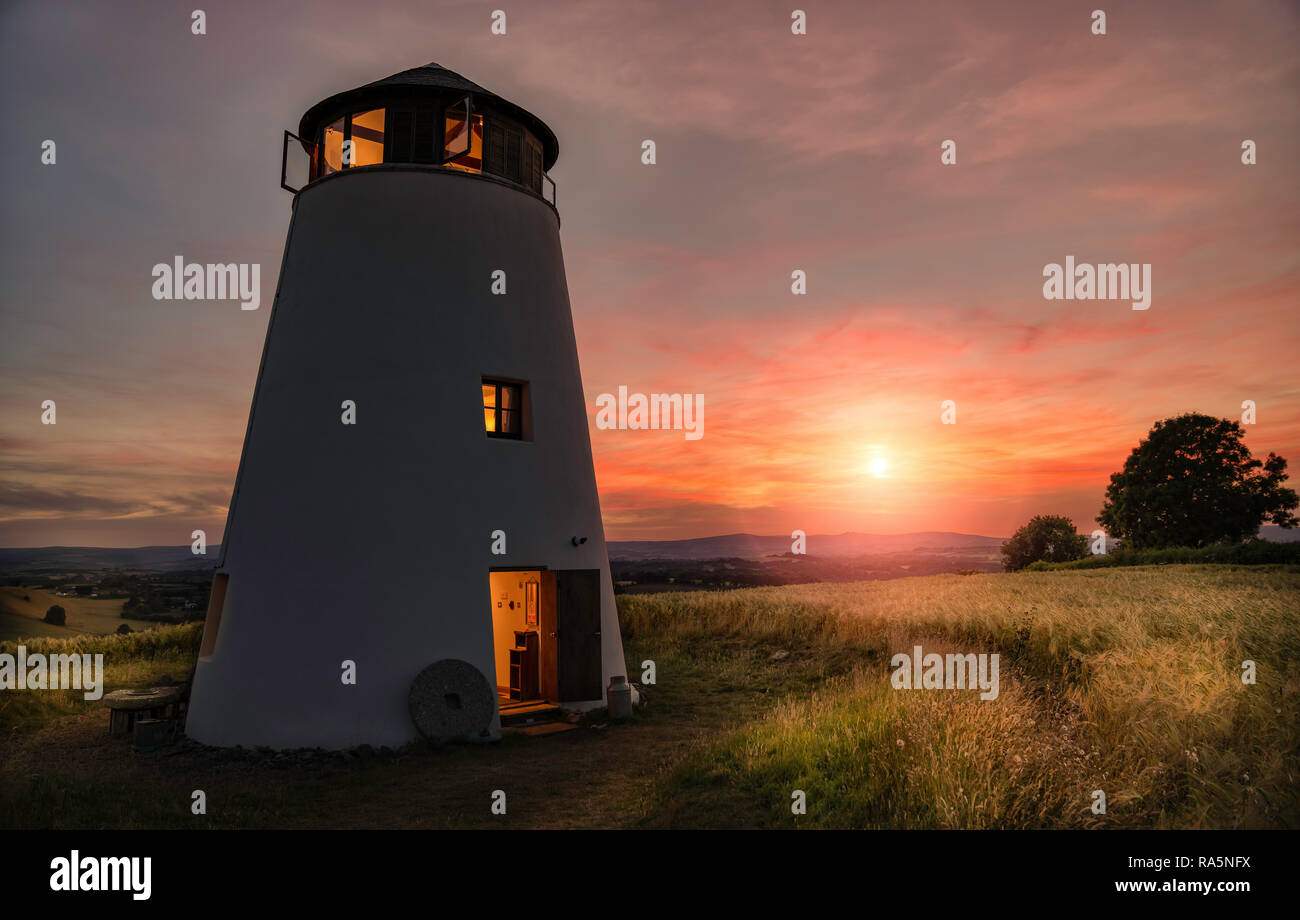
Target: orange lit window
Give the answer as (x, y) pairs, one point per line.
(502, 409)
(365, 131)
(368, 138)
(470, 148)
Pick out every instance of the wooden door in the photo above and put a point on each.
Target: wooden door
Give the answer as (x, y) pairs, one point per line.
(577, 642)
(548, 669)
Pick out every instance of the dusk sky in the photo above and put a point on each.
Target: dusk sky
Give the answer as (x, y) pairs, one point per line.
(775, 152)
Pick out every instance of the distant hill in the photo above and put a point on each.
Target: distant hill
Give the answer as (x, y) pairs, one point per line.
(752, 546)
(52, 560)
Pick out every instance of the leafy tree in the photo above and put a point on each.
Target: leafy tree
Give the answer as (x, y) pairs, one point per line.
(124, 629)
(56, 616)
(1192, 482)
(1048, 537)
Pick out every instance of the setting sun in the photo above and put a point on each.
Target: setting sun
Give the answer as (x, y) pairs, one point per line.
(878, 466)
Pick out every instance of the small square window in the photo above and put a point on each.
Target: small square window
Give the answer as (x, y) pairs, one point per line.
(503, 409)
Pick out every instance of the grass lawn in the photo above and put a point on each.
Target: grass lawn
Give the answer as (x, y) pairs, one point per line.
(1120, 680)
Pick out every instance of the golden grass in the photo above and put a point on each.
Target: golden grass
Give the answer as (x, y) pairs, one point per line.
(1124, 680)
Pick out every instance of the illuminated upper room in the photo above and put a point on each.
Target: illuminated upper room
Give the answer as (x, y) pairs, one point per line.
(429, 116)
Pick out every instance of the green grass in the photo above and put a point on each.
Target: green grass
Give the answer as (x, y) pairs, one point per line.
(74, 776)
(868, 757)
(1124, 679)
(135, 660)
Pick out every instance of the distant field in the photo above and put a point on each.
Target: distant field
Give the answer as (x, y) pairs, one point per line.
(22, 611)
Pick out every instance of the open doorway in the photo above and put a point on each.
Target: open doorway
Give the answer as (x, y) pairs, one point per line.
(545, 637)
(517, 639)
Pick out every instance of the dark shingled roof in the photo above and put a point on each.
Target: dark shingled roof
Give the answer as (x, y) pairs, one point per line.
(434, 76)
(431, 74)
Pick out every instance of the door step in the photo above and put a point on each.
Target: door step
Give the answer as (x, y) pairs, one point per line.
(531, 713)
(537, 731)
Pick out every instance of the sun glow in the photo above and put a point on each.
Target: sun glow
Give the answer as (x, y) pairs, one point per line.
(878, 466)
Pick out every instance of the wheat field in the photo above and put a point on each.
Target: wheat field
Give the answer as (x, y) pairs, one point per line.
(1123, 681)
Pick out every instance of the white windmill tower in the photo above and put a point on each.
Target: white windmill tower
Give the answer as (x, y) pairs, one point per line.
(419, 409)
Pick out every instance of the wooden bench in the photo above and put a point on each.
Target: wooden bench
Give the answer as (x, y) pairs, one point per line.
(125, 706)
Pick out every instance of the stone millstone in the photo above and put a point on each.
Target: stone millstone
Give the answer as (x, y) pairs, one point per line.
(451, 699)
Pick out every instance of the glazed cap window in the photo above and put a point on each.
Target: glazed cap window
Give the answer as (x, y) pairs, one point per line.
(448, 132)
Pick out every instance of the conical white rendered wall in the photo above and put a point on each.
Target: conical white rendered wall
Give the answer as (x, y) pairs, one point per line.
(364, 551)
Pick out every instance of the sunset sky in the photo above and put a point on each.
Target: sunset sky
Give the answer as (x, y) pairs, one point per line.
(775, 152)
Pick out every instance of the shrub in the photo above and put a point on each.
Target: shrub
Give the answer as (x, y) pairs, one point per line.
(1046, 537)
(1252, 552)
